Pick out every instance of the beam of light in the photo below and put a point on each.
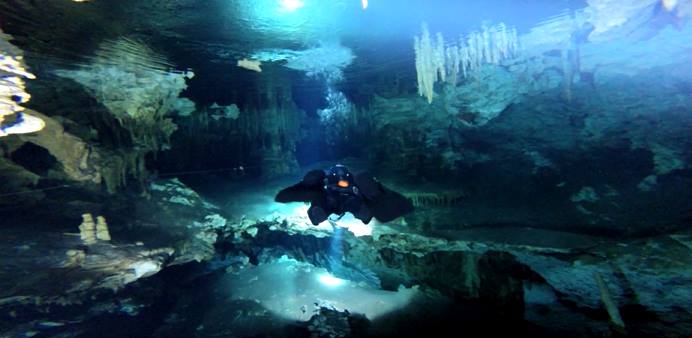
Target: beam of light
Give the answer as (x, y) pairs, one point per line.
(365, 4)
(291, 5)
(335, 250)
(329, 280)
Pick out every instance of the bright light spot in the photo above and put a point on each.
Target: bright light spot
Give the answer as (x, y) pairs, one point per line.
(365, 4)
(145, 268)
(13, 93)
(329, 280)
(28, 124)
(287, 287)
(291, 5)
(669, 5)
(301, 210)
(356, 226)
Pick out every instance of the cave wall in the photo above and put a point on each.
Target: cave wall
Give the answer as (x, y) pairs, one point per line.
(570, 136)
(262, 138)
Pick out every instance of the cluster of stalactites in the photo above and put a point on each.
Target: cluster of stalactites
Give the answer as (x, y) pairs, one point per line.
(430, 62)
(137, 86)
(490, 46)
(437, 62)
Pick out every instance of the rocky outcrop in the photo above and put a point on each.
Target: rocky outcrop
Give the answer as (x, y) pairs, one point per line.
(138, 88)
(566, 108)
(55, 272)
(532, 280)
(78, 160)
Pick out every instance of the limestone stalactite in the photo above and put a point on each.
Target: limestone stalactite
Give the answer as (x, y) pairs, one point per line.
(437, 60)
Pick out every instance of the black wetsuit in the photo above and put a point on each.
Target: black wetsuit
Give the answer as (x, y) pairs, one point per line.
(339, 200)
(337, 191)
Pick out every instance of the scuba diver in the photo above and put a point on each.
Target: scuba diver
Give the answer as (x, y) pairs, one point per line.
(337, 191)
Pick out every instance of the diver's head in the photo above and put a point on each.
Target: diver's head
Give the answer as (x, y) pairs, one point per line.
(340, 175)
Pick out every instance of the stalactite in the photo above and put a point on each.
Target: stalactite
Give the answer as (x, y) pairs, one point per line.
(453, 64)
(570, 67)
(435, 62)
(424, 64)
(566, 75)
(439, 62)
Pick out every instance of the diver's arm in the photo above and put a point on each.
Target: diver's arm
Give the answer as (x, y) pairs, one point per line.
(307, 190)
(314, 178)
(368, 186)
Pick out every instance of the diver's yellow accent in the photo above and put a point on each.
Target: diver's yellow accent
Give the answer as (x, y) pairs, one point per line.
(91, 231)
(253, 65)
(102, 232)
(342, 183)
(87, 230)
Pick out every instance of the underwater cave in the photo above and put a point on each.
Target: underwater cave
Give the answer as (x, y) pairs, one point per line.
(345, 168)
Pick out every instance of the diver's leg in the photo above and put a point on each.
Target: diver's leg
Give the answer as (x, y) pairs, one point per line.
(364, 214)
(318, 212)
(359, 210)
